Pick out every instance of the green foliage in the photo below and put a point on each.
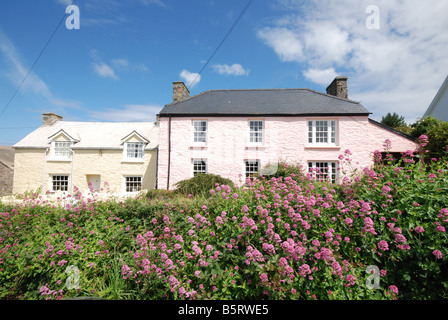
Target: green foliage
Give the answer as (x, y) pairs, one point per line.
(393, 120)
(437, 132)
(201, 184)
(281, 237)
(284, 169)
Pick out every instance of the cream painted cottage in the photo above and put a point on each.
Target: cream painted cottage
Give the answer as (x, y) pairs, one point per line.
(60, 155)
(235, 133)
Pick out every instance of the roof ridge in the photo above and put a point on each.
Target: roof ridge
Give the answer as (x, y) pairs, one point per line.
(261, 89)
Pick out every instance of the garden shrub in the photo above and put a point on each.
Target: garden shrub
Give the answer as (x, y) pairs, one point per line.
(277, 238)
(201, 184)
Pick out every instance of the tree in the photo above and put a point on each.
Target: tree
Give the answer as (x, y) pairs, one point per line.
(393, 120)
(437, 132)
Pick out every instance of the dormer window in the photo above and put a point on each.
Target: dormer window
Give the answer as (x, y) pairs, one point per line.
(135, 150)
(61, 146)
(134, 147)
(62, 149)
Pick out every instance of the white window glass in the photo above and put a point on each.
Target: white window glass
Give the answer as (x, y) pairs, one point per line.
(252, 167)
(323, 171)
(59, 183)
(199, 131)
(199, 166)
(322, 132)
(135, 150)
(256, 131)
(62, 149)
(133, 183)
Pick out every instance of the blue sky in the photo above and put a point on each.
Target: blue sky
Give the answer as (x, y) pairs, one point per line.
(120, 64)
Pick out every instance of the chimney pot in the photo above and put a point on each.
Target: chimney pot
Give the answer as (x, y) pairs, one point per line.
(338, 87)
(180, 91)
(49, 118)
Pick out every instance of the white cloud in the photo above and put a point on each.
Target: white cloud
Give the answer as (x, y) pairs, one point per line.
(17, 73)
(125, 65)
(191, 79)
(65, 2)
(131, 112)
(285, 43)
(155, 2)
(320, 76)
(398, 67)
(104, 70)
(235, 69)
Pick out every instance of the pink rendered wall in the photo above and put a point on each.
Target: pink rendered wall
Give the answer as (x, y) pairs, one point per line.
(285, 139)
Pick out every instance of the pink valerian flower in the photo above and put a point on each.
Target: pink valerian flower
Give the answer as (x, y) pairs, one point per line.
(348, 221)
(419, 229)
(393, 288)
(174, 283)
(197, 273)
(383, 245)
(126, 271)
(437, 254)
(387, 145)
(62, 262)
(304, 270)
(182, 291)
(399, 238)
(368, 222)
(351, 279)
(197, 250)
(440, 229)
(263, 277)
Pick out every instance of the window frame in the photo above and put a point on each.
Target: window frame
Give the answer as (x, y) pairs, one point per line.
(66, 152)
(52, 182)
(135, 150)
(331, 175)
(329, 132)
(250, 174)
(202, 133)
(126, 183)
(259, 134)
(194, 171)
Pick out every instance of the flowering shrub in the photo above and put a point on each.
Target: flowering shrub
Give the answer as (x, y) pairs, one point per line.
(380, 234)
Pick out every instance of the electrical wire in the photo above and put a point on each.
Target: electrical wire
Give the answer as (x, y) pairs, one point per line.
(222, 41)
(35, 62)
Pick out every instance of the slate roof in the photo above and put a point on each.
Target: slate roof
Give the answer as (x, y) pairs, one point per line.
(263, 102)
(92, 135)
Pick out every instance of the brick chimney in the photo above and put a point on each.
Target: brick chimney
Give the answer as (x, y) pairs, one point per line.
(180, 91)
(50, 118)
(338, 87)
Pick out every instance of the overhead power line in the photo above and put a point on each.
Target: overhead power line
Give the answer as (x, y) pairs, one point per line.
(35, 62)
(222, 41)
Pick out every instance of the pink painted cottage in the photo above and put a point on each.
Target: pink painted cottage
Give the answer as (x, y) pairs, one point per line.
(235, 133)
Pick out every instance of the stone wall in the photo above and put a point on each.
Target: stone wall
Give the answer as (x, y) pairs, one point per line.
(6, 179)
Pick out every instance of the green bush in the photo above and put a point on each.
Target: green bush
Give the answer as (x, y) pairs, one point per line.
(436, 131)
(201, 184)
(274, 239)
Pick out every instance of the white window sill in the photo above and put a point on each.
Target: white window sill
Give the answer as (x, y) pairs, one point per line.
(59, 160)
(324, 146)
(256, 146)
(130, 160)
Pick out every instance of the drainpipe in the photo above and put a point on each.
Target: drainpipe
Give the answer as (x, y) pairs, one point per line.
(169, 154)
(71, 179)
(157, 167)
(43, 174)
